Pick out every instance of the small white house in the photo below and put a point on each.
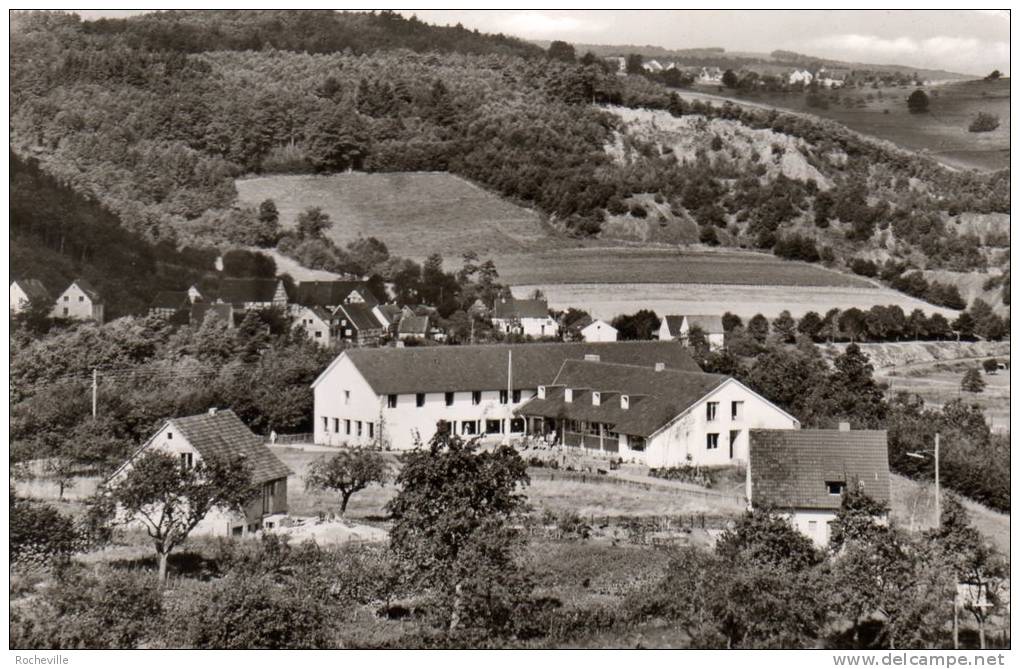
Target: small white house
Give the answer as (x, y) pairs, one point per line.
(804, 473)
(221, 434)
(599, 330)
(654, 416)
(525, 317)
(28, 291)
(677, 328)
(79, 301)
(316, 323)
(801, 77)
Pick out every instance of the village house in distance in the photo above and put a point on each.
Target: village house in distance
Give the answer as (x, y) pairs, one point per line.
(804, 473)
(678, 328)
(79, 301)
(524, 317)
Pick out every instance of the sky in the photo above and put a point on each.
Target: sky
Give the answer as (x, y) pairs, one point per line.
(967, 41)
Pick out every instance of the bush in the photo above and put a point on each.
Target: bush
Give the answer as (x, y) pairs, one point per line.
(81, 610)
(245, 612)
(984, 123)
(797, 247)
(708, 235)
(864, 267)
(39, 533)
(918, 102)
(637, 211)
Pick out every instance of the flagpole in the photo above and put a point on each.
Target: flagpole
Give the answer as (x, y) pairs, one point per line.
(509, 394)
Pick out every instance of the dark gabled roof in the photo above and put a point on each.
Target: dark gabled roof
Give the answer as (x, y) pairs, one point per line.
(223, 435)
(332, 293)
(790, 468)
(413, 325)
(201, 310)
(514, 308)
(321, 313)
(360, 315)
(89, 290)
(708, 324)
(673, 323)
(34, 290)
(484, 367)
(170, 299)
(239, 291)
(656, 397)
(390, 312)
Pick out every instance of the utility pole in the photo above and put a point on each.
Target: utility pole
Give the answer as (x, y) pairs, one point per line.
(938, 497)
(95, 391)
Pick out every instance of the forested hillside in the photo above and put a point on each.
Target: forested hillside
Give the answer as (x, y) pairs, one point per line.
(127, 112)
(57, 236)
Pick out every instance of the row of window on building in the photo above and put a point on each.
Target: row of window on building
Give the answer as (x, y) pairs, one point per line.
(351, 428)
(505, 397)
(712, 410)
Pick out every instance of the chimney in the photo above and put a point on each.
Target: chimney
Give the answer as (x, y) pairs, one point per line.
(596, 398)
(541, 392)
(212, 411)
(568, 395)
(844, 426)
(592, 357)
(624, 401)
(659, 366)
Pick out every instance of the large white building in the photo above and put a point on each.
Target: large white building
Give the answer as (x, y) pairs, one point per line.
(656, 416)
(804, 474)
(395, 396)
(24, 292)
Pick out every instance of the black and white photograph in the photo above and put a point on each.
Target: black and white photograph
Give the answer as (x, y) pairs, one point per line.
(509, 330)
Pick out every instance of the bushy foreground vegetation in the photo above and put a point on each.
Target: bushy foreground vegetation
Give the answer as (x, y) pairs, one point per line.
(458, 572)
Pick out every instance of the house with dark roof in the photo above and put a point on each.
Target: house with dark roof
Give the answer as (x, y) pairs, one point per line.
(524, 317)
(395, 396)
(170, 303)
(413, 327)
(220, 434)
(25, 292)
(656, 416)
(388, 316)
(677, 328)
(804, 473)
(356, 324)
(247, 294)
(79, 301)
(330, 294)
(316, 322)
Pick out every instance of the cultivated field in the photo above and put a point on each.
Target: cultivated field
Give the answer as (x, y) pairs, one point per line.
(604, 300)
(939, 383)
(942, 131)
(415, 213)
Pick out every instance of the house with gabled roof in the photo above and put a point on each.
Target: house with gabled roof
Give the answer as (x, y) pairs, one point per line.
(26, 292)
(329, 294)
(395, 396)
(413, 327)
(651, 415)
(677, 328)
(599, 330)
(170, 304)
(79, 301)
(388, 316)
(316, 322)
(356, 324)
(251, 293)
(220, 434)
(804, 473)
(524, 317)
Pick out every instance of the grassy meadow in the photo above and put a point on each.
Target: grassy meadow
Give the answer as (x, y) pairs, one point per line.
(415, 213)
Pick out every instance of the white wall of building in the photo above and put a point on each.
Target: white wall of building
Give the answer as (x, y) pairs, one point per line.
(531, 327)
(19, 300)
(599, 331)
(316, 328)
(814, 524)
(688, 434)
(344, 397)
(74, 303)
